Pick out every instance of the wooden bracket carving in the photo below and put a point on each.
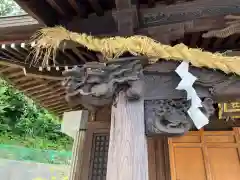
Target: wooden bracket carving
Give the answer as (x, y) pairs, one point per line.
(95, 84)
(166, 117)
(161, 82)
(170, 117)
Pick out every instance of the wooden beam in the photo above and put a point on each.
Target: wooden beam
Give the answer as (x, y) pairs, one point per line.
(54, 96)
(97, 7)
(34, 87)
(52, 105)
(161, 82)
(127, 155)
(23, 79)
(52, 73)
(151, 3)
(20, 73)
(17, 28)
(50, 100)
(74, 5)
(80, 8)
(59, 106)
(125, 16)
(46, 92)
(171, 31)
(206, 43)
(27, 83)
(62, 110)
(177, 30)
(233, 53)
(194, 39)
(47, 16)
(152, 17)
(217, 43)
(7, 69)
(65, 7)
(232, 40)
(95, 25)
(180, 12)
(56, 6)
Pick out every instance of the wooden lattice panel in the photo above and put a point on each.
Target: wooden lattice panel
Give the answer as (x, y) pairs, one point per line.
(99, 158)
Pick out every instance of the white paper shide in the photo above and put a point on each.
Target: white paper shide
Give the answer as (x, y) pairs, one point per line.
(186, 84)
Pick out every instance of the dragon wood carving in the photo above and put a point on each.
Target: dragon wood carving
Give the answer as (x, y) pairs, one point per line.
(95, 84)
(169, 117)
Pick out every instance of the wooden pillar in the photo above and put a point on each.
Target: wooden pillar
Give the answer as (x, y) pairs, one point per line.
(75, 125)
(127, 156)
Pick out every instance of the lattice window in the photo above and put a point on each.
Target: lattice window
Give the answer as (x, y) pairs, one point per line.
(99, 156)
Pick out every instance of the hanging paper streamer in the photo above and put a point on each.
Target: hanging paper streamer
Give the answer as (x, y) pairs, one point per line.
(186, 84)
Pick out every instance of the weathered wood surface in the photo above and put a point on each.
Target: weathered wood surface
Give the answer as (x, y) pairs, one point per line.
(125, 17)
(172, 21)
(187, 11)
(127, 156)
(34, 8)
(158, 158)
(18, 28)
(95, 84)
(161, 82)
(170, 117)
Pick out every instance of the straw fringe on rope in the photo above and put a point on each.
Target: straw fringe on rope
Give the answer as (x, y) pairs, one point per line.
(48, 40)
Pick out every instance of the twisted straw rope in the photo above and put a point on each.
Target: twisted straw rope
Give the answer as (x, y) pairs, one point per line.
(48, 40)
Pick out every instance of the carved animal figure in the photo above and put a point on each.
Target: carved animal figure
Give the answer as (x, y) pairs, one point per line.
(95, 84)
(170, 116)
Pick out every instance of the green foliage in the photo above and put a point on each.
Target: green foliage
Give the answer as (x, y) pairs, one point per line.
(37, 155)
(25, 123)
(10, 8)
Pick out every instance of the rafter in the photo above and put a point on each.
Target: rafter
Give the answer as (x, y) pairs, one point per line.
(35, 8)
(97, 7)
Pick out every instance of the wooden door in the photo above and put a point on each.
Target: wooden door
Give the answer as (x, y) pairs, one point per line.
(158, 158)
(205, 155)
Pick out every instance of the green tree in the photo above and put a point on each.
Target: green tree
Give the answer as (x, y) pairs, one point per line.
(21, 118)
(10, 8)
(22, 122)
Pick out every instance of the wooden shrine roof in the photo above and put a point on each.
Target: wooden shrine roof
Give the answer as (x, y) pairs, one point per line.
(17, 28)
(159, 19)
(167, 21)
(65, 10)
(46, 92)
(44, 84)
